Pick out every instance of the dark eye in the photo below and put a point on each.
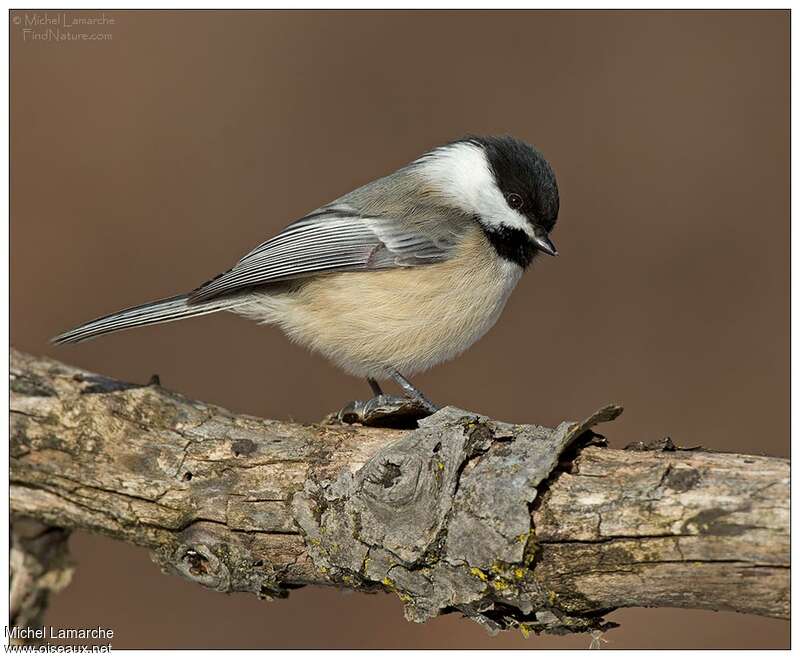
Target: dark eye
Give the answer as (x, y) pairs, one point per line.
(514, 200)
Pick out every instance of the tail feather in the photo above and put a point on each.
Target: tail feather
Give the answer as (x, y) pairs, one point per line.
(160, 311)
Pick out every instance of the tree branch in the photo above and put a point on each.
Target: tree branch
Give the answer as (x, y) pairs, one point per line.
(511, 525)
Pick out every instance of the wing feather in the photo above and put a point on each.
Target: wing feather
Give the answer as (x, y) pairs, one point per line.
(333, 239)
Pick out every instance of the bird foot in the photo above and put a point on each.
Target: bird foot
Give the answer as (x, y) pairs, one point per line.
(383, 411)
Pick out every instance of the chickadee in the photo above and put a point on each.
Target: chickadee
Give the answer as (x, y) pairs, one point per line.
(395, 277)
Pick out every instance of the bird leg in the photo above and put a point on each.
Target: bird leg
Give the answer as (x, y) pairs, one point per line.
(376, 388)
(413, 392)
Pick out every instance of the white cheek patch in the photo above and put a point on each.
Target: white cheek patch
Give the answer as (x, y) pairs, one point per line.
(462, 173)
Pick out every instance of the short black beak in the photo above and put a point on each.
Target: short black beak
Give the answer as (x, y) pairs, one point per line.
(544, 243)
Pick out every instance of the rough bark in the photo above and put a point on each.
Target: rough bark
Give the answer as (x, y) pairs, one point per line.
(511, 525)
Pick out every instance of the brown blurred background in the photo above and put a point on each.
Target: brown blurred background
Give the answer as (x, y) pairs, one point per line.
(143, 164)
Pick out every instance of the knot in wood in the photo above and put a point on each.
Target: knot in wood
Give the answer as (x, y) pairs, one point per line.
(200, 564)
(394, 479)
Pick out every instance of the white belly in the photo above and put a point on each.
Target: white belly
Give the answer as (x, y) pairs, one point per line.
(407, 319)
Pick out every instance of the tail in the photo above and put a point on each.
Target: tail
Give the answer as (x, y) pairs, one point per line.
(160, 311)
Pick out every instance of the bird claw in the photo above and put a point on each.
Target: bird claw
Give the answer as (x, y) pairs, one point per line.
(383, 411)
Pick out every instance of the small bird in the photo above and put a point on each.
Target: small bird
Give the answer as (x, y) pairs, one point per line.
(396, 276)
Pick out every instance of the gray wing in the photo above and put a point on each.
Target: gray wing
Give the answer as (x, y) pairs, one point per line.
(334, 238)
